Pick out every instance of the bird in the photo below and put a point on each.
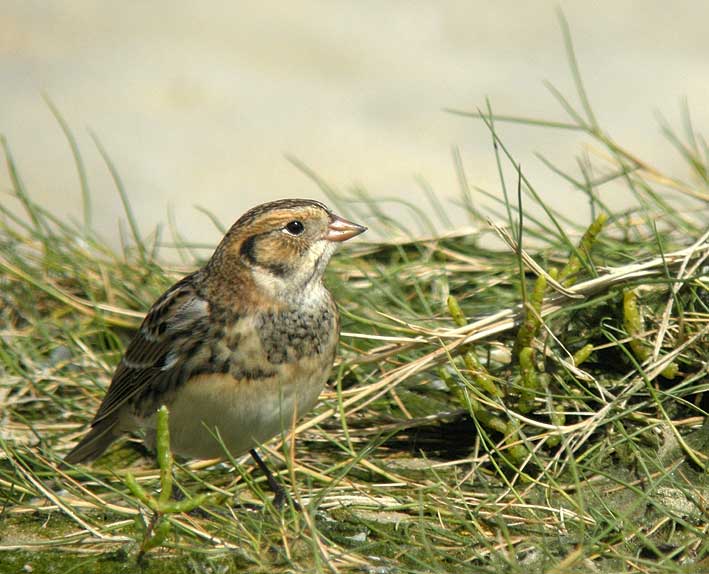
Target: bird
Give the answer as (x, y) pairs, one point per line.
(238, 349)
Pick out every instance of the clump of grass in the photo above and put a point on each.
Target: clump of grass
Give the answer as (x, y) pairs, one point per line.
(487, 414)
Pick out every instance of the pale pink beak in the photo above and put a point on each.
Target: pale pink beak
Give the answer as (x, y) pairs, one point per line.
(341, 230)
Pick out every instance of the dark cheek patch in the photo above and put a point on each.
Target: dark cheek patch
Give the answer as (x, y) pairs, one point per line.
(265, 252)
(247, 250)
(277, 269)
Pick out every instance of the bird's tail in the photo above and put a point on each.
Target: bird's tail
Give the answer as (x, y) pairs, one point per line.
(93, 444)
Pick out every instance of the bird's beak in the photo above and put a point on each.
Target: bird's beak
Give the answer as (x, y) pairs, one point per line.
(341, 230)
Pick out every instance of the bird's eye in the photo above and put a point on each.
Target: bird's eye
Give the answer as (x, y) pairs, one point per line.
(294, 227)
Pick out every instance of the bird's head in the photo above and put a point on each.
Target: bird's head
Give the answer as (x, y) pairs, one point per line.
(284, 246)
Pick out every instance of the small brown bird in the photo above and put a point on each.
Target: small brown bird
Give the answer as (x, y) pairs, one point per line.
(240, 346)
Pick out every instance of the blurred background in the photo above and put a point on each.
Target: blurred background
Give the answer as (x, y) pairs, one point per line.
(199, 103)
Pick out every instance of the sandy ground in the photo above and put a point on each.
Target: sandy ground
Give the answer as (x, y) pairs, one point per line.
(198, 103)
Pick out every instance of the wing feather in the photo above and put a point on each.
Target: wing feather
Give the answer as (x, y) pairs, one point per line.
(174, 326)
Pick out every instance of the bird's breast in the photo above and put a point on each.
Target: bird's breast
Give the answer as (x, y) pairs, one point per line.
(290, 335)
(243, 412)
(260, 374)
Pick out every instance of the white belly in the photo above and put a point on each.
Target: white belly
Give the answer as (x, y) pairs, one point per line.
(244, 413)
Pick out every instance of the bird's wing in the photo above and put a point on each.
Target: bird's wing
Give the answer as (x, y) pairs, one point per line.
(173, 331)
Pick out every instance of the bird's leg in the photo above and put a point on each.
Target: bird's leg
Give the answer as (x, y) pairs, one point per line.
(276, 487)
